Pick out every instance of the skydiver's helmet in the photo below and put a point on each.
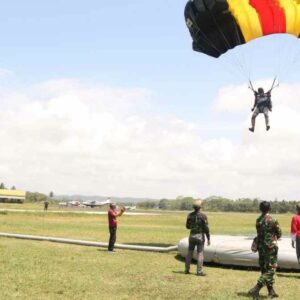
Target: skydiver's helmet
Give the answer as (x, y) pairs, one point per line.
(260, 90)
(197, 204)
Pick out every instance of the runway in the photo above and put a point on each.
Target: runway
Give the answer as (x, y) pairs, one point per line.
(128, 213)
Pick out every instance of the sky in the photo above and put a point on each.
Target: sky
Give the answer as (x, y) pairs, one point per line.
(108, 98)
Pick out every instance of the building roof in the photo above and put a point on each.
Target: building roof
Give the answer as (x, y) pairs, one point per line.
(12, 194)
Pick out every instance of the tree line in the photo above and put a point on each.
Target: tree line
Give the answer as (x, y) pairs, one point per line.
(219, 204)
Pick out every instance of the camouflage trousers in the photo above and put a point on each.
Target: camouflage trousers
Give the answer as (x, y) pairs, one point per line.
(267, 264)
(195, 241)
(257, 111)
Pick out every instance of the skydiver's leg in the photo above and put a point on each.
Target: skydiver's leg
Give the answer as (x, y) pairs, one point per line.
(266, 114)
(254, 115)
(189, 256)
(200, 257)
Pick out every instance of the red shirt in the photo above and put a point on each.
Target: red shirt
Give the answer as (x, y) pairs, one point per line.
(112, 218)
(295, 226)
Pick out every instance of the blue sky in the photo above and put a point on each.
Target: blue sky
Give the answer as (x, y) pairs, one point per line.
(56, 53)
(123, 43)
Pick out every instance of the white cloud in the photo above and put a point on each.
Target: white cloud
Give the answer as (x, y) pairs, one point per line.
(4, 73)
(71, 138)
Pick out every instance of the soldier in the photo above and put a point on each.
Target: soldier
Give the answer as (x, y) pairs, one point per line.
(268, 232)
(198, 225)
(112, 224)
(295, 232)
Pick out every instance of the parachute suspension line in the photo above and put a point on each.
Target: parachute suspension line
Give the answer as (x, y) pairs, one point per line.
(198, 32)
(273, 85)
(278, 51)
(226, 42)
(244, 61)
(250, 86)
(291, 62)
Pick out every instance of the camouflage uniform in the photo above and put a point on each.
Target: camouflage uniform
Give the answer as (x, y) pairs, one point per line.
(268, 232)
(198, 225)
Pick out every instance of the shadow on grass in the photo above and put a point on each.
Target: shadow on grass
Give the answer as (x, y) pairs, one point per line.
(179, 272)
(215, 265)
(242, 268)
(289, 276)
(246, 295)
(150, 244)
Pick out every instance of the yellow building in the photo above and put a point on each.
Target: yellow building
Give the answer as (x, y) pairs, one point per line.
(13, 196)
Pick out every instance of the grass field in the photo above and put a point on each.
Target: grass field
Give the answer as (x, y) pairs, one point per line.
(43, 270)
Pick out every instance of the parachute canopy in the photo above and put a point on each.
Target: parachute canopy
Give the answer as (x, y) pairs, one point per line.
(219, 25)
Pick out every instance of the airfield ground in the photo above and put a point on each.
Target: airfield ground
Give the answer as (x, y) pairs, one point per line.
(44, 270)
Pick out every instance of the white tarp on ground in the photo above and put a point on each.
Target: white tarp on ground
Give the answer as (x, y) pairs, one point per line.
(235, 250)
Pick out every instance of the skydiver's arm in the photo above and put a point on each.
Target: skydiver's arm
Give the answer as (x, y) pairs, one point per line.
(269, 99)
(255, 101)
(206, 229)
(188, 222)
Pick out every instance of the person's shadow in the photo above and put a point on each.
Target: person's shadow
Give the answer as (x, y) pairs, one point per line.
(289, 275)
(246, 295)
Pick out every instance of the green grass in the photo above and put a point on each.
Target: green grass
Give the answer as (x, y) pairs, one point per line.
(43, 270)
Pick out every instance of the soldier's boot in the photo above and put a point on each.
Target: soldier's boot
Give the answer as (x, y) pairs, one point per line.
(187, 271)
(254, 292)
(272, 294)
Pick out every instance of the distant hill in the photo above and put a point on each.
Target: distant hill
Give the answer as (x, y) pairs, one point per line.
(100, 198)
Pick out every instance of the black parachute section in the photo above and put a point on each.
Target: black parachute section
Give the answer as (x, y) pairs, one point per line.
(212, 27)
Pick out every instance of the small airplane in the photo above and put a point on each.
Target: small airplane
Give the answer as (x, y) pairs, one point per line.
(68, 204)
(94, 203)
(130, 207)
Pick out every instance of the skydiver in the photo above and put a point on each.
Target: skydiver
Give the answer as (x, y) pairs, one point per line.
(262, 104)
(198, 225)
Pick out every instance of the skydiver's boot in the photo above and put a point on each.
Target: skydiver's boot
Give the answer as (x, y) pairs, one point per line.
(272, 293)
(254, 292)
(200, 272)
(268, 127)
(188, 260)
(252, 123)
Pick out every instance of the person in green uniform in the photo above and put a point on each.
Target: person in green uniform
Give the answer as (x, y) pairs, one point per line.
(198, 225)
(268, 232)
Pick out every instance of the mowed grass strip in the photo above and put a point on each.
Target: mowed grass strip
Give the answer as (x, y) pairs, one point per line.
(43, 270)
(160, 229)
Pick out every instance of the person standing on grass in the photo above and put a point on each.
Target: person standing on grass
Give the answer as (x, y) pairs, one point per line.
(46, 204)
(113, 224)
(268, 232)
(198, 225)
(295, 232)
